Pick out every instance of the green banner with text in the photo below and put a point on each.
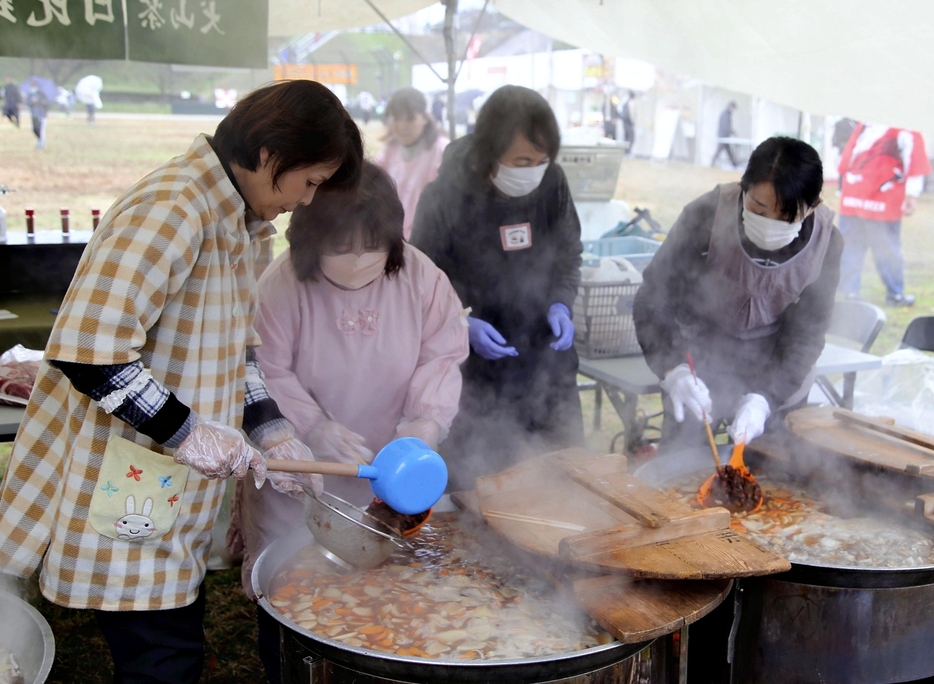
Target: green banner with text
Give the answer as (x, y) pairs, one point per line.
(62, 29)
(204, 32)
(229, 33)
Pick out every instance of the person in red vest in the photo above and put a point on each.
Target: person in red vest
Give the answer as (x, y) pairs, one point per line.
(881, 172)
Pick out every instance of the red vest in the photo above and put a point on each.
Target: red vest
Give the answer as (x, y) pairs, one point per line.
(873, 180)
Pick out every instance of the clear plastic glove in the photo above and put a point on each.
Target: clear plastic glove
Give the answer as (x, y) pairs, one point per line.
(486, 340)
(559, 318)
(687, 391)
(426, 429)
(219, 451)
(283, 443)
(332, 441)
(750, 418)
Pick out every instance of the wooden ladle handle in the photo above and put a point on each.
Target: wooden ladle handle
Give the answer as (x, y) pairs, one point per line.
(281, 465)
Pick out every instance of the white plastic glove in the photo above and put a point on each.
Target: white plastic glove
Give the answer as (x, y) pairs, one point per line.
(426, 429)
(686, 390)
(750, 418)
(219, 451)
(282, 443)
(332, 441)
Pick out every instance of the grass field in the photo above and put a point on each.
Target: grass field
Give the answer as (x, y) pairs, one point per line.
(84, 168)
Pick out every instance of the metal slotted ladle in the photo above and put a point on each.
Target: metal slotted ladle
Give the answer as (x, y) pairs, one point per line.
(348, 535)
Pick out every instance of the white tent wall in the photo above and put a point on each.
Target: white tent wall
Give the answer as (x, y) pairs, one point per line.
(867, 59)
(298, 17)
(562, 70)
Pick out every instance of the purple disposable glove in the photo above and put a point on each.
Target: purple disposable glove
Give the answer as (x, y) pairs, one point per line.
(560, 320)
(486, 340)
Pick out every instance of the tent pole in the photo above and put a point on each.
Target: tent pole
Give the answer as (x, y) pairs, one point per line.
(450, 10)
(404, 39)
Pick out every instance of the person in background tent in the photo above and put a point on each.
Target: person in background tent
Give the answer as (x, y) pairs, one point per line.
(413, 151)
(366, 102)
(842, 130)
(883, 172)
(628, 120)
(12, 99)
(437, 110)
(500, 222)
(38, 105)
(725, 130)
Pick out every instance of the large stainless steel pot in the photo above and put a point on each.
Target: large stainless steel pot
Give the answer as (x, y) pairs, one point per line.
(311, 658)
(25, 633)
(821, 623)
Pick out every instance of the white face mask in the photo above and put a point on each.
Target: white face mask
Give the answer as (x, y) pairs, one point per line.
(352, 271)
(518, 181)
(769, 234)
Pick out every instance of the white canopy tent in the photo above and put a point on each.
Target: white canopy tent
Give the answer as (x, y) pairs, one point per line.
(296, 17)
(870, 60)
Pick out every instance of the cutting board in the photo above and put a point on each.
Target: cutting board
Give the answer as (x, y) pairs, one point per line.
(589, 512)
(876, 442)
(889, 470)
(631, 610)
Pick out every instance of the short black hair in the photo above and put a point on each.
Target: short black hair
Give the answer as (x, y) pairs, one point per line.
(300, 124)
(510, 110)
(338, 215)
(407, 103)
(793, 168)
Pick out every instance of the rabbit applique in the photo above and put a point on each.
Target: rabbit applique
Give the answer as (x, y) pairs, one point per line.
(134, 526)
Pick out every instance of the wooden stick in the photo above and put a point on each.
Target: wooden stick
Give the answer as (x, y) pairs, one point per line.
(282, 465)
(710, 439)
(904, 434)
(534, 521)
(713, 444)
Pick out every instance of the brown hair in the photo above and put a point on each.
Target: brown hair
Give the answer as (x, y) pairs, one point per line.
(299, 123)
(338, 216)
(408, 103)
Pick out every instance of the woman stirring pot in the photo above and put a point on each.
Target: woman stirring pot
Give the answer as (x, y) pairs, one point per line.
(745, 283)
(363, 338)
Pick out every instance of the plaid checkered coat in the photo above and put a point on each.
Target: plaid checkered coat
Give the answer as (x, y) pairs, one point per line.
(168, 278)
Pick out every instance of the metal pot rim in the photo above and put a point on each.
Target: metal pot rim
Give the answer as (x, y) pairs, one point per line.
(413, 660)
(266, 567)
(33, 627)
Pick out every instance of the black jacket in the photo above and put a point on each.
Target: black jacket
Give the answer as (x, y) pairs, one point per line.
(670, 319)
(457, 224)
(514, 407)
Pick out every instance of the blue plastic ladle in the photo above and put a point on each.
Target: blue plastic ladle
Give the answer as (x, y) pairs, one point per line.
(406, 474)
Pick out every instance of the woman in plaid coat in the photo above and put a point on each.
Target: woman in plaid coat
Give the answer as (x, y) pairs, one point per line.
(149, 376)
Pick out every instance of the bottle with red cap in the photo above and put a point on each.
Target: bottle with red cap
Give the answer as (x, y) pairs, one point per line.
(95, 218)
(30, 224)
(66, 222)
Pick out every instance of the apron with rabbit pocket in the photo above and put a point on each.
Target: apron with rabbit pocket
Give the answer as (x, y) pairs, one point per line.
(137, 492)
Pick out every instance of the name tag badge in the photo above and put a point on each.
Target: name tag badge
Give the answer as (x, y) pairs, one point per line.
(518, 236)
